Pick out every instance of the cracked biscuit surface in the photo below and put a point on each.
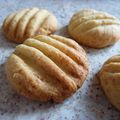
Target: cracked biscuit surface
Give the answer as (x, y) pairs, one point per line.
(29, 23)
(47, 68)
(110, 80)
(94, 28)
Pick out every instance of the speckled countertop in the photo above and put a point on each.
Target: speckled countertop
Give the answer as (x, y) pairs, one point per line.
(89, 102)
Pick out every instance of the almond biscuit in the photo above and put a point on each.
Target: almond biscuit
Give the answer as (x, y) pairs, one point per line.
(47, 68)
(94, 28)
(28, 23)
(110, 80)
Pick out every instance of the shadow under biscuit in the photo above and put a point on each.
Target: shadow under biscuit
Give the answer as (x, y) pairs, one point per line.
(63, 31)
(4, 43)
(98, 104)
(11, 102)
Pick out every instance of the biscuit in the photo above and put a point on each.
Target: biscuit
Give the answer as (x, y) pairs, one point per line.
(94, 28)
(28, 23)
(110, 80)
(47, 68)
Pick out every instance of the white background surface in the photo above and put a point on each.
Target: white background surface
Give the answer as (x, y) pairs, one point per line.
(89, 102)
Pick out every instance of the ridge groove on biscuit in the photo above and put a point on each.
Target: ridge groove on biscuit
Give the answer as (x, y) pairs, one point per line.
(36, 22)
(12, 28)
(100, 16)
(113, 67)
(8, 21)
(45, 63)
(59, 58)
(115, 59)
(44, 21)
(71, 52)
(25, 21)
(96, 16)
(72, 45)
(67, 42)
(98, 23)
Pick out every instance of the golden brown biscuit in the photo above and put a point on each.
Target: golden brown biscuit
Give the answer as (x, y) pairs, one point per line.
(110, 80)
(94, 28)
(47, 67)
(29, 23)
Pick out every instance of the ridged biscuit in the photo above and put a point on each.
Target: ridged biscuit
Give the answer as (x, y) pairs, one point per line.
(110, 80)
(47, 67)
(29, 23)
(94, 28)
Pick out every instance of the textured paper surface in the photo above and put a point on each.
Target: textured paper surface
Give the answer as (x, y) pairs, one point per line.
(89, 102)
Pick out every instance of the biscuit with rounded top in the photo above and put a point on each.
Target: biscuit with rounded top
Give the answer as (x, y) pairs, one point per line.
(47, 68)
(28, 23)
(110, 80)
(94, 28)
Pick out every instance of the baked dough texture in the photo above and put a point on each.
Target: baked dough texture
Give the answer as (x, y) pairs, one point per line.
(28, 23)
(94, 28)
(110, 80)
(47, 68)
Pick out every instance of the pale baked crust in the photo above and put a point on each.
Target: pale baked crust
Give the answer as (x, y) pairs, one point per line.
(29, 23)
(110, 80)
(94, 28)
(47, 67)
